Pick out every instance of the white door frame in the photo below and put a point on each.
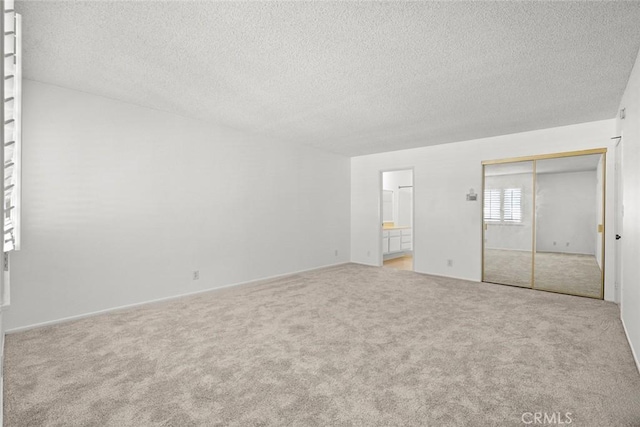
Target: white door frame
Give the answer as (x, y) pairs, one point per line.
(413, 213)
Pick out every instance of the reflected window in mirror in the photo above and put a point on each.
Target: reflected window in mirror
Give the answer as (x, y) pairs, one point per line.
(503, 205)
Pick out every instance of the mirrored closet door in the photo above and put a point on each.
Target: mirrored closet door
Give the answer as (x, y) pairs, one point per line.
(508, 223)
(543, 222)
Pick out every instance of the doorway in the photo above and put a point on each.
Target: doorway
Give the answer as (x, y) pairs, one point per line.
(543, 222)
(396, 213)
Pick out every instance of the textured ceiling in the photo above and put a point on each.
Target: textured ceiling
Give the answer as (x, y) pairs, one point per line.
(349, 77)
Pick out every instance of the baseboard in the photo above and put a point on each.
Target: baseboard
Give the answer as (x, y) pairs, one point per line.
(422, 272)
(2, 401)
(364, 263)
(564, 253)
(172, 297)
(466, 279)
(633, 352)
(539, 251)
(396, 255)
(509, 249)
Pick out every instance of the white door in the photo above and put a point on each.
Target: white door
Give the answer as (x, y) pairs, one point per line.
(618, 219)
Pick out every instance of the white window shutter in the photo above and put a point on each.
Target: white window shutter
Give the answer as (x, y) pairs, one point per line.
(12, 126)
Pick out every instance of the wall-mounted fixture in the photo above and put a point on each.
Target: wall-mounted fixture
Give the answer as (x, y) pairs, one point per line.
(471, 196)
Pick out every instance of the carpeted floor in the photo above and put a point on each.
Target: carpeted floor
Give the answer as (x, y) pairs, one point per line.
(574, 274)
(348, 345)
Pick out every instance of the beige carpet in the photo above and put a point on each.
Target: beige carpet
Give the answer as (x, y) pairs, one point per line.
(349, 345)
(567, 273)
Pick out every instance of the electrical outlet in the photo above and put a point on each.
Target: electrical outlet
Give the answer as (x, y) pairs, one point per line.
(449, 263)
(567, 244)
(368, 253)
(554, 243)
(336, 252)
(196, 274)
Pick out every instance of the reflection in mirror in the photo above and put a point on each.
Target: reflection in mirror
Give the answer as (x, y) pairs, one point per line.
(508, 223)
(569, 214)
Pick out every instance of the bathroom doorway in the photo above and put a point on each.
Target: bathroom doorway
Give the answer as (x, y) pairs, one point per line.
(396, 213)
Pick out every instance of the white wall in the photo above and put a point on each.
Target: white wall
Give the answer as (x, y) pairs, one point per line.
(446, 226)
(122, 203)
(630, 131)
(512, 236)
(566, 212)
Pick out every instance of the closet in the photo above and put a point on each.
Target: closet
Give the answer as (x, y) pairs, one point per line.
(543, 222)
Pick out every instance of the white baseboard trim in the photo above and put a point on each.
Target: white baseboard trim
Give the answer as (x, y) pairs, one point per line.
(424, 273)
(509, 249)
(2, 380)
(633, 352)
(466, 279)
(172, 297)
(364, 263)
(539, 251)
